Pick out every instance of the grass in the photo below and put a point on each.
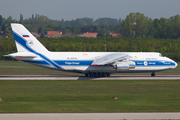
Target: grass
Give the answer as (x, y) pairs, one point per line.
(84, 96)
(89, 96)
(21, 68)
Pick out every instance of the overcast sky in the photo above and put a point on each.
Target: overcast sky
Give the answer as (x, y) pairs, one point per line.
(72, 9)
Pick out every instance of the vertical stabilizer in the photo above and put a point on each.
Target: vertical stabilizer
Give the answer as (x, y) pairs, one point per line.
(25, 41)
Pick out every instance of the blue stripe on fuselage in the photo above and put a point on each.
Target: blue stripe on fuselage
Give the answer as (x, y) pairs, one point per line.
(89, 62)
(63, 62)
(74, 62)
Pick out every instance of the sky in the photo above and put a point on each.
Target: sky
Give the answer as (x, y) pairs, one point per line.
(73, 9)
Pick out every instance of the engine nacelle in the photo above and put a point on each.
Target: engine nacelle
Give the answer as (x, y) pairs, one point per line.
(124, 65)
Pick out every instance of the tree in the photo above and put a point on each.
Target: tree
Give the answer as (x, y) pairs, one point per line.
(42, 35)
(32, 16)
(21, 18)
(3, 28)
(135, 25)
(40, 30)
(127, 26)
(107, 21)
(79, 22)
(175, 26)
(9, 19)
(102, 32)
(140, 24)
(87, 20)
(1, 20)
(120, 20)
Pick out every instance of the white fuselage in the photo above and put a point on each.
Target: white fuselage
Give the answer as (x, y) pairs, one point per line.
(81, 61)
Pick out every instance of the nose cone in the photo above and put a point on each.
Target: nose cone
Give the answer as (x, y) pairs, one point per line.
(175, 65)
(172, 63)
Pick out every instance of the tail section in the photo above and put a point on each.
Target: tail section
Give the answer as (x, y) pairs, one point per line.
(25, 41)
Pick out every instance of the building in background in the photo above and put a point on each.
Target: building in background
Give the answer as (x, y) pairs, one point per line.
(115, 35)
(94, 35)
(68, 33)
(54, 34)
(36, 35)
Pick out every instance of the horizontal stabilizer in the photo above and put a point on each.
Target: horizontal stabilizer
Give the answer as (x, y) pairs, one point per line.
(21, 55)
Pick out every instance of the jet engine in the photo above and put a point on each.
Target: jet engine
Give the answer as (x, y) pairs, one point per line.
(124, 65)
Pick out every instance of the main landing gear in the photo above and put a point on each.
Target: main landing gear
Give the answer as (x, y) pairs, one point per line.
(153, 74)
(97, 74)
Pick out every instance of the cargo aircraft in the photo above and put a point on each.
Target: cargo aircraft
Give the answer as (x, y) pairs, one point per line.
(30, 50)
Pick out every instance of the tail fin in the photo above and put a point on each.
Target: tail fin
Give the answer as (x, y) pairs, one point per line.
(25, 41)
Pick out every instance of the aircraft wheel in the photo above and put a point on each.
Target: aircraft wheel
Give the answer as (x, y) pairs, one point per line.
(91, 74)
(103, 74)
(86, 74)
(94, 74)
(108, 74)
(99, 74)
(153, 74)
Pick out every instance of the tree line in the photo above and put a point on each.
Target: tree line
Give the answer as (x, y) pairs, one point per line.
(135, 25)
(138, 25)
(168, 47)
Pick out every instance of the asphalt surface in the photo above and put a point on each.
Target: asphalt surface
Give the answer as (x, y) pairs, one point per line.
(88, 116)
(61, 77)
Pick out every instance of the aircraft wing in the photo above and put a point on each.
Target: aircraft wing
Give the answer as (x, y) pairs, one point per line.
(110, 59)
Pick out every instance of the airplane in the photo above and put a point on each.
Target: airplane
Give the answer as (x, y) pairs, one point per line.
(30, 50)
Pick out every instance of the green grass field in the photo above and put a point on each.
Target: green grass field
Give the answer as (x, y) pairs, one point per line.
(21, 68)
(86, 96)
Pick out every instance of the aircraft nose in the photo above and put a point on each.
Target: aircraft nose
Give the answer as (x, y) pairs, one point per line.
(175, 65)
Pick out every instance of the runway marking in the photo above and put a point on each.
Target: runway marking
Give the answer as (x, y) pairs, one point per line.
(62, 77)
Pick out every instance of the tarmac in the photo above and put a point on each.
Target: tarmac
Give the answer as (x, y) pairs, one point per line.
(88, 116)
(115, 77)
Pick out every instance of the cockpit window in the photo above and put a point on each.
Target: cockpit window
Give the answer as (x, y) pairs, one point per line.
(160, 55)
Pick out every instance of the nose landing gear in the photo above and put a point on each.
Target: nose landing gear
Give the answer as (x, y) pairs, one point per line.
(153, 74)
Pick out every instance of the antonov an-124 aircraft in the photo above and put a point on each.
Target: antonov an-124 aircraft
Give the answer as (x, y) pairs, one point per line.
(30, 50)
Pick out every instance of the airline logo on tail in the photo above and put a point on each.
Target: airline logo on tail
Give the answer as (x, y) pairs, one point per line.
(30, 43)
